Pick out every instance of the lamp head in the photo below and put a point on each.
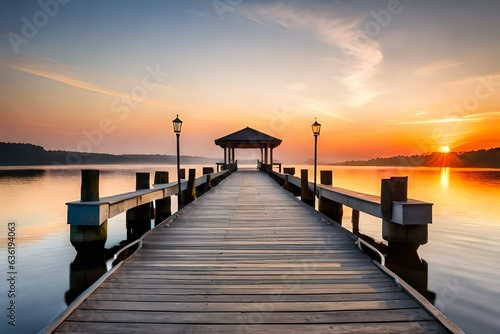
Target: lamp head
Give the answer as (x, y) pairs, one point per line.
(316, 127)
(177, 123)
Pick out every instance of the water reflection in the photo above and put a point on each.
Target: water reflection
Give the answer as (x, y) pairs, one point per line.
(413, 270)
(24, 174)
(83, 272)
(445, 177)
(88, 267)
(407, 264)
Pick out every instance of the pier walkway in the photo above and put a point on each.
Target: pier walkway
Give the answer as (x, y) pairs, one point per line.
(248, 257)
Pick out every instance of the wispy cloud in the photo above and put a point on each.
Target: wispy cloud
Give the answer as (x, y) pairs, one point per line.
(324, 109)
(469, 118)
(362, 54)
(437, 66)
(57, 71)
(52, 70)
(201, 15)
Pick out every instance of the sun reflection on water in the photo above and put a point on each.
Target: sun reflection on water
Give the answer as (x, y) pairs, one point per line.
(445, 177)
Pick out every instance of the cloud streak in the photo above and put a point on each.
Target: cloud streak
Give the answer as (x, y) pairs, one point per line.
(362, 53)
(65, 79)
(55, 71)
(478, 117)
(441, 65)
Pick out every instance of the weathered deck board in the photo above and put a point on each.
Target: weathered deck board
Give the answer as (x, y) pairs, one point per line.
(249, 258)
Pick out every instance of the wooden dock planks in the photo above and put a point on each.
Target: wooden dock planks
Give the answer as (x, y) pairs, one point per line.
(247, 257)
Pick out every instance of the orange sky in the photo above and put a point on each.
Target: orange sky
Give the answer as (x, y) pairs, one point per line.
(382, 79)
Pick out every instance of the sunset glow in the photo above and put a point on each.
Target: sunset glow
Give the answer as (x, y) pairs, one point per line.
(384, 78)
(445, 149)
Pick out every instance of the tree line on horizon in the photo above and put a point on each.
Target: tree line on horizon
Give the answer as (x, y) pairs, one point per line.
(483, 158)
(16, 154)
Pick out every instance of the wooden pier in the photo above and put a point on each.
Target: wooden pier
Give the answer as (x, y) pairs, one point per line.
(248, 257)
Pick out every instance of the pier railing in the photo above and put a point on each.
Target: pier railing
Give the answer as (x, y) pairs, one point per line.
(268, 167)
(404, 221)
(89, 216)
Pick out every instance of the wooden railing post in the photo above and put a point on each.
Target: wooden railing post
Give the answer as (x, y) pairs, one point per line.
(329, 208)
(138, 219)
(208, 170)
(182, 173)
(89, 239)
(163, 206)
(399, 237)
(190, 193)
(203, 188)
(355, 221)
(305, 194)
(289, 170)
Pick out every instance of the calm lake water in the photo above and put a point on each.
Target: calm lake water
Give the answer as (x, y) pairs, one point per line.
(462, 257)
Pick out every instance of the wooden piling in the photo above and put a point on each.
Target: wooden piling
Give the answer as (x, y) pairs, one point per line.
(326, 177)
(306, 195)
(163, 206)
(401, 237)
(89, 239)
(89, 190)
(328, 207)
(208, 170)
(355, 221)
(182, 173)
(190, 192)
(205, 186)
(289, 170)
(138, 219)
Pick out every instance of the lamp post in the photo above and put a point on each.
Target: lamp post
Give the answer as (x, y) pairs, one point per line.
(177, 123)
(316, 128)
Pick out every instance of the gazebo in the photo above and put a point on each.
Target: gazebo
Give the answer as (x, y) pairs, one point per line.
(248, 138)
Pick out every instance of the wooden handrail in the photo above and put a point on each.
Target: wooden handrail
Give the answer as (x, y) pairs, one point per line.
(97, 212)
(410, 212)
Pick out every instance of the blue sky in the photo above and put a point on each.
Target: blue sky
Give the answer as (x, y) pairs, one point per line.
(383, 77)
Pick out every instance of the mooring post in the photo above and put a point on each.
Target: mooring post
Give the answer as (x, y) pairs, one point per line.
(138, 219)
(399, 237)
(355, 221)
(208, 170)
(163, 206)
(89, 239)
(189, 194)
(203, 188)
(328, 207)
(209, 183)
(289, 170)
(305, 194)
(182, 173)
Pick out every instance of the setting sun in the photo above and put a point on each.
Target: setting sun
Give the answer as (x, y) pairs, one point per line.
(445, 149)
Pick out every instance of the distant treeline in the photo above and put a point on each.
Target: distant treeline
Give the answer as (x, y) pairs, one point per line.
(13, 154)
(481, 158)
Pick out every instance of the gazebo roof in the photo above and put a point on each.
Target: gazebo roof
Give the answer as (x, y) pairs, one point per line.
(248, 138)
